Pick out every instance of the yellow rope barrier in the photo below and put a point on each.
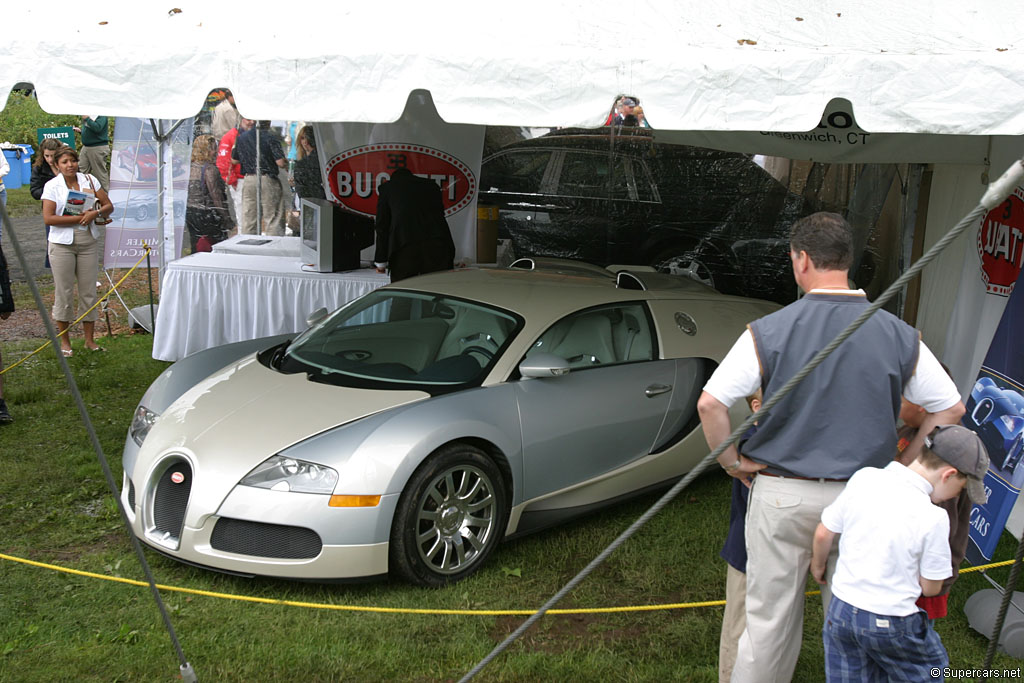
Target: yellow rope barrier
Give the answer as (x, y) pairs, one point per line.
(406, 610)
(70, 325)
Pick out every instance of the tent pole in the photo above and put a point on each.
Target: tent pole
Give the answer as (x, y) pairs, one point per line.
(259, 185)
(164, 208)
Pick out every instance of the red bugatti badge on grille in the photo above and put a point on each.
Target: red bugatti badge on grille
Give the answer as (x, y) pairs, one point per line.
(356, 174)
(177, 477)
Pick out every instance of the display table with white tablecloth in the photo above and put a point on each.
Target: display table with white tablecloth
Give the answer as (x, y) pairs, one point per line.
(259, 245)
(209, 299)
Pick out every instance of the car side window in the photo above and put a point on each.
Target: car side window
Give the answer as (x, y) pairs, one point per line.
(516, 172)
(608, 335)
(589, 174)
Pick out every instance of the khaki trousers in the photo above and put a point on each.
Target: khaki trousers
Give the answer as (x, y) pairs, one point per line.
(734, 620)
(71, 264)
(94, 160)
(270, 198)
(782, 515)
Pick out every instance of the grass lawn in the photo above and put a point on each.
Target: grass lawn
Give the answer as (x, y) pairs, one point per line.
(20, 202)
(55, 508)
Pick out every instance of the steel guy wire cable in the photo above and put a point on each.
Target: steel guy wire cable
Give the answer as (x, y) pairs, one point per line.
(996, 193)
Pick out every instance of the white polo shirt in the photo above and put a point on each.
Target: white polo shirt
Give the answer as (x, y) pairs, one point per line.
(892, 534)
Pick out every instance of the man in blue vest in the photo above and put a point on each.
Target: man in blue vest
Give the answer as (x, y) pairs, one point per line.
(841, 418)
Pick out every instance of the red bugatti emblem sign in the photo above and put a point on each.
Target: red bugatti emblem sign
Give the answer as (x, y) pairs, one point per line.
(177, 477)
(1001, 244)
(356, 174)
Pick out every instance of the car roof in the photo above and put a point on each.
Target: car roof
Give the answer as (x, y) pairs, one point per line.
(554, 289)
(627, 141)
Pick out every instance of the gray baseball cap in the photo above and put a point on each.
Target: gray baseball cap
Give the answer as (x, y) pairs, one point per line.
(962, 449)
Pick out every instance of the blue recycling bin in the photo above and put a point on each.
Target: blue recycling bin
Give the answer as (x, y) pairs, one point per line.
(26, 164)
(12, 180)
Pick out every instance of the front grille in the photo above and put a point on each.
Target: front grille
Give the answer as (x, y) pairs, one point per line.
(265, 540)
(171, 499)
(131, 495)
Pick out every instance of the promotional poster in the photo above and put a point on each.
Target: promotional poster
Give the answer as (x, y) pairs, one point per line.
(359, 157)
(135, 192)
(995, 411)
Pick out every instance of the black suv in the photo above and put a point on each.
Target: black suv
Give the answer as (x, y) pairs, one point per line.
(613, 195)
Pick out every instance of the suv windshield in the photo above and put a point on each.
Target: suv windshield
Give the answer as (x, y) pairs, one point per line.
(403, 338)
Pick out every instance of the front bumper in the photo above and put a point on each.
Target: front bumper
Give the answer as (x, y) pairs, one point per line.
(262, 532)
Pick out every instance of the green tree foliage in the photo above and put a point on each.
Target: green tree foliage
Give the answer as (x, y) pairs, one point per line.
(22, 116)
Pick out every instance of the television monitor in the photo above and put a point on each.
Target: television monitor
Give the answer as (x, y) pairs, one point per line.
(332, 238)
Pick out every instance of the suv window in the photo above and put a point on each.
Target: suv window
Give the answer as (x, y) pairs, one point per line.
(645, 190)
(518, 172)
(589, 174)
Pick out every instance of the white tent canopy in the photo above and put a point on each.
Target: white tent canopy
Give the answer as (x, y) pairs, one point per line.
(939, 83)
(948, 68)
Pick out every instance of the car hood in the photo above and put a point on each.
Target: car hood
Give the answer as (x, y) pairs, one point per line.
(244, 413)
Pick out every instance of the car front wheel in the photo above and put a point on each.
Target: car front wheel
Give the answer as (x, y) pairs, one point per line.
(451, 515)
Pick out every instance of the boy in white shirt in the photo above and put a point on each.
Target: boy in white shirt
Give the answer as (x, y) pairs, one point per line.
(894, 546)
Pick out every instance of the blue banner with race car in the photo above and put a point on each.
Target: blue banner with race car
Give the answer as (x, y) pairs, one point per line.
(995, 411)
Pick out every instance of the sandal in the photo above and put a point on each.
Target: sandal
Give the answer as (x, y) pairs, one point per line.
(67, 352)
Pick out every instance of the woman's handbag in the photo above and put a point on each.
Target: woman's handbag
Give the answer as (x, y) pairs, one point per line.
(100, 218)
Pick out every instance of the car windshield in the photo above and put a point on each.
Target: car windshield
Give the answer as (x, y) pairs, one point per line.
(402, 338)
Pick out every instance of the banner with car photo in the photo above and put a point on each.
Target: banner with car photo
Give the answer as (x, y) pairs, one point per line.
(358, 157)
(135, 191)
(995, 411)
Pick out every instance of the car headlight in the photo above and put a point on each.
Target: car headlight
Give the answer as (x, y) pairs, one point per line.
(142, 422)
(280, 473)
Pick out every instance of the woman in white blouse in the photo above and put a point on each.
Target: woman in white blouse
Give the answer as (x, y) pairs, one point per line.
(68, 209)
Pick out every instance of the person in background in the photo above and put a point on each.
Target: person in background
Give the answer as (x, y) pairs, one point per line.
(889, 555)
(74, 244)
(413, 236)
(44, 169)
(734, 552)
(6, 308)
(206, 214)
(958, 509)
(623, 108)
(306, 174)
(271, 161)
(225, 116)
(638, 112)
(5, 168)
(95, 153)
(231, 171)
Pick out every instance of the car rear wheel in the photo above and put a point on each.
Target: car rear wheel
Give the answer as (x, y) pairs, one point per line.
(451, 515)
(686, 261)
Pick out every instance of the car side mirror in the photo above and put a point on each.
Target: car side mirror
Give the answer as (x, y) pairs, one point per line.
(544, 365)
(316, 316)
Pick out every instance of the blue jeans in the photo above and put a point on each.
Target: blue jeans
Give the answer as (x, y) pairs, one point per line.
(864, 646)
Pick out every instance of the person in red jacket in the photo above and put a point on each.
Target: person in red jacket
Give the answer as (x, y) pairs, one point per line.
(230, 172)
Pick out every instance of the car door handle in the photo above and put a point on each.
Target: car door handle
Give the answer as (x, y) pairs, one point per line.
(657, 389)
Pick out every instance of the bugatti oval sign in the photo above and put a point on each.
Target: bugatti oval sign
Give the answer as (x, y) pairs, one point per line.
(356, 174)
